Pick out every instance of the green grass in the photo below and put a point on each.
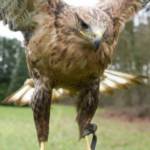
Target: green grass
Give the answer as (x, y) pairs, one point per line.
(17, 131)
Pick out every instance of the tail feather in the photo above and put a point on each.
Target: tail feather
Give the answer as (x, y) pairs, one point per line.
(23, 95)
(111, 81)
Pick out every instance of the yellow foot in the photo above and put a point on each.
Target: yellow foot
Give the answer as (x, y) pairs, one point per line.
(43, 146)
(87, 143)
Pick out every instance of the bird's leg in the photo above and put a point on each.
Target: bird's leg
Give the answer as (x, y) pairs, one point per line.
(86, 108)
(87, 143)
(43, 146)
(41, 102)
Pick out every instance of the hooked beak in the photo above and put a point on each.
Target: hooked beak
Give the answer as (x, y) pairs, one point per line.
(97, 39)
(97, 42)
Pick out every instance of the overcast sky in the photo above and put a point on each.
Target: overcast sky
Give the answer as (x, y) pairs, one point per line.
(5, 32)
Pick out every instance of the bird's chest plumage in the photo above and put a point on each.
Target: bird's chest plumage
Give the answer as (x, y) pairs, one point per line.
(64, 62)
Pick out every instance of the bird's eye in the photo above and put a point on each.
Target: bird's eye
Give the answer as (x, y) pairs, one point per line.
(84, 25)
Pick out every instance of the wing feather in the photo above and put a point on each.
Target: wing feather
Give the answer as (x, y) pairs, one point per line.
(18, 14)
(111, 81)
(114, 80)
(124, 9)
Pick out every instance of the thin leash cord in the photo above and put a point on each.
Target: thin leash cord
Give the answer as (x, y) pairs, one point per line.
(94, 142)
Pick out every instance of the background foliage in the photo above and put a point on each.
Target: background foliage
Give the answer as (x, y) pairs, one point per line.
(13, 70)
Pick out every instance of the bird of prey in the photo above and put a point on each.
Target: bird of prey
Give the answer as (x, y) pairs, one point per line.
(69, 47)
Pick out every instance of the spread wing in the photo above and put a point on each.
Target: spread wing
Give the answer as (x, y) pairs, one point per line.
(18, 14)
(111, 81)
(122, 9)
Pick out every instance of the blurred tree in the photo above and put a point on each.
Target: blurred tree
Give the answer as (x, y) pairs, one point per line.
(19, 73)
(12, 65)
(133, 56)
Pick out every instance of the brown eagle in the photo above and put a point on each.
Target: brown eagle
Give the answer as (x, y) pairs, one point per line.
(68, 47)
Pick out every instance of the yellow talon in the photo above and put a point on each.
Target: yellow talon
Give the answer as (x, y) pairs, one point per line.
(43, 146)
(87, 143)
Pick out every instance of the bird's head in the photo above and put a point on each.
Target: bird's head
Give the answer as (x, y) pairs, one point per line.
(90, 27)
(91, 30)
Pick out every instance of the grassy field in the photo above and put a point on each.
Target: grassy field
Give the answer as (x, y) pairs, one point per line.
(17, 131)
